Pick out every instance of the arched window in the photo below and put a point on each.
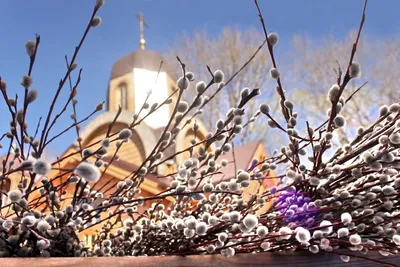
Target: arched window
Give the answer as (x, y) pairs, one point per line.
(5, 184)
(122, 96)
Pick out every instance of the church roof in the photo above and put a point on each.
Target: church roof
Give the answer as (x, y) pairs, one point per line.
(239, 158)
(9, 159)
(143, 59)
(243, 157)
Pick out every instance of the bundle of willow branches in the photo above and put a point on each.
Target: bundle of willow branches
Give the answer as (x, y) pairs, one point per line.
(327, 199)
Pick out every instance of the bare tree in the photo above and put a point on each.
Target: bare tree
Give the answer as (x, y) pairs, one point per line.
(228, 51)
(314, 63)
(310, 67)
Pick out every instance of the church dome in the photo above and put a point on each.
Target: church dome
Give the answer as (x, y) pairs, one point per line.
(143, 59)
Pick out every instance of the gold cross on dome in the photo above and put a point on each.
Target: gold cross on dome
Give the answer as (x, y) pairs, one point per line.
(142, 24)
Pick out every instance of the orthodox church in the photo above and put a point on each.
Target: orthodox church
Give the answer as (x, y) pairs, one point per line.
(131, 78)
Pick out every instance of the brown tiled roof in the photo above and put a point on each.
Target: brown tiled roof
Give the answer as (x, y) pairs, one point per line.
(15, 165)
(143, 59)
(243, 157)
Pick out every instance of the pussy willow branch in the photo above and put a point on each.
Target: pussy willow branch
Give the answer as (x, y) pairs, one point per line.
(75, 116)
(156, 198)
(132, 126)
(342, 86)
(319, 129)
(152, 153)
(280, 90)
(63, 81)
(205, 102)
(25, 108)
(233, 76)
(71, 96)
(133, 174)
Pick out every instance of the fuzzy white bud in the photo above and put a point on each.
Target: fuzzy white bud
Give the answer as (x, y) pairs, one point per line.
(339, 121)
(222, 237)
(26, 81)
(99, 4)
(228, 252)
(262, 231)
(383, 110)
(30, 47)
(265, 109)
(343, 232)
(43, 226)
(302, 235)
(41, 167)
(200, 87)
(42, 244)
(32, 95)
(346, 218)
(201, 228)
(250, 221)
(125, 134)
(395, 138)
(394, 108)
(288, 104)
(314, 181)
(355, 239)
(210, 249)
(182, 106)
(235, 216)
(327, 227)
(189, 75)
(218, 76)
(333, 93)
(183, 83)
(88, 171)
(273, 38)
(396, 239)
(243, 176)
(14, 195)
(105, 142)
(208, 188)
(314, 249)
(96, 21)
(355, 70)
(142, 171)
(274, 73)
(345, 258)
(7, 224)
(286, 232)
(189, 232)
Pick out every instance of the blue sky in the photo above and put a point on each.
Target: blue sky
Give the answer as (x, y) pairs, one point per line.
(61, 23)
